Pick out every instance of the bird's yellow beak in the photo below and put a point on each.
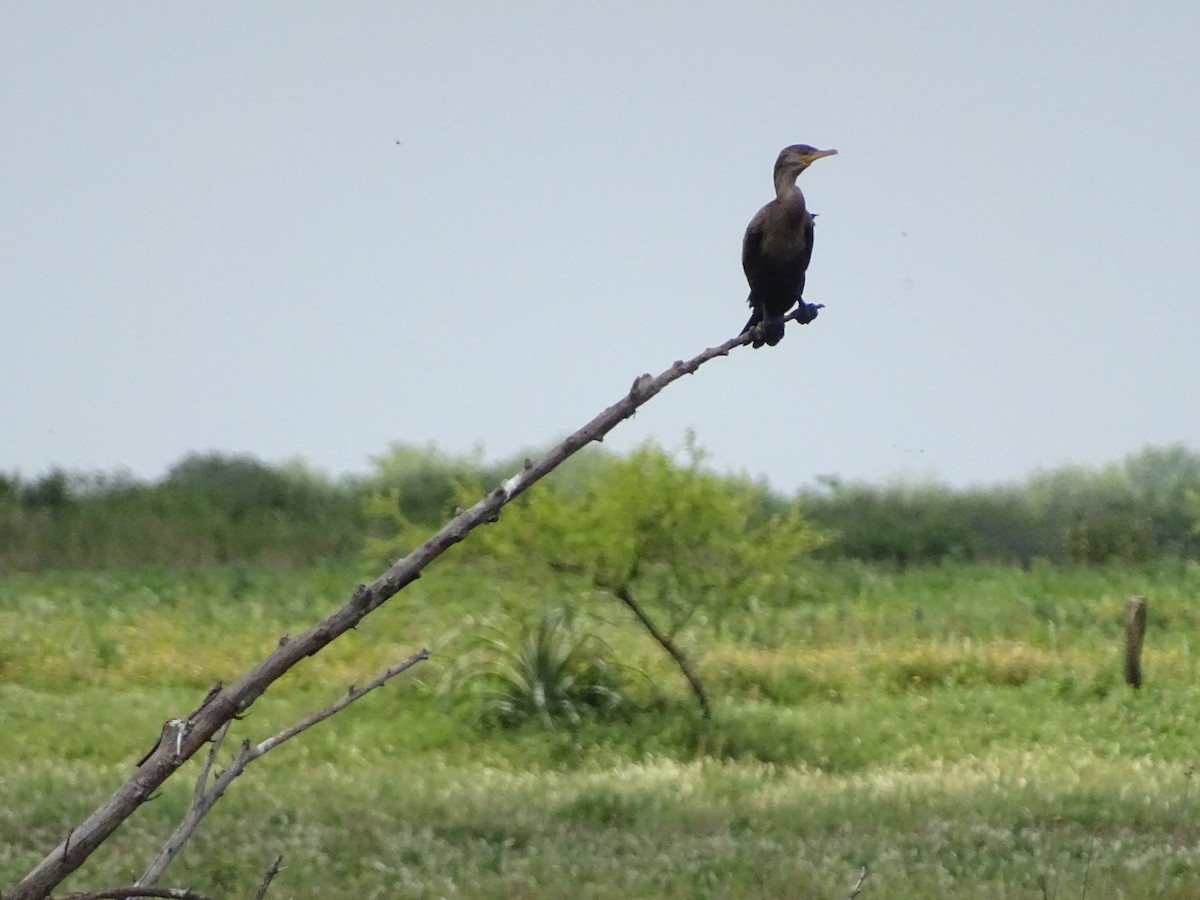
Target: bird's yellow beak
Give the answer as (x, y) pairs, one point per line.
(820, 153)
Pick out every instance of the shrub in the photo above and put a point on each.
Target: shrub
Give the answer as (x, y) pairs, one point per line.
(548, 670)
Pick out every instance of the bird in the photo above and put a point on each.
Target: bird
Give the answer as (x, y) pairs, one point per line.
(777, 248)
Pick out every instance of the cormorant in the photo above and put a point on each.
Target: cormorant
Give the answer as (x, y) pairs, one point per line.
(778, 246)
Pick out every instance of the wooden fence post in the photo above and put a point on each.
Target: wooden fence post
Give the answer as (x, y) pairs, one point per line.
(1135, 635)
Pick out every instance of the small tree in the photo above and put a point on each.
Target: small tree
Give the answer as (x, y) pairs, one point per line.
(666, 538)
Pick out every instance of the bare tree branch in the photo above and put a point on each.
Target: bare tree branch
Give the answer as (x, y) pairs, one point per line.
(176, 747)
(132, 893)
(622, 593)
(858, 886)
(204, 800)
(666, 640)
(267, 879)
(202, 778)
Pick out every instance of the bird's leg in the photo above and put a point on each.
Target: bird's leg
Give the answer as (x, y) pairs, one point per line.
(757, 333)
(770, 332)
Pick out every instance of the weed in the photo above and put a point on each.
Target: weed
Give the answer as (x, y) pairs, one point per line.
(545, 669)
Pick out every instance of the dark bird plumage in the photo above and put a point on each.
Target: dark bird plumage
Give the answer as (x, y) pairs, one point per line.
(778, 246)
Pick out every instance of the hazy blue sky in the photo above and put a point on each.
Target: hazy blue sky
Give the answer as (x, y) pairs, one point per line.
(210, 238)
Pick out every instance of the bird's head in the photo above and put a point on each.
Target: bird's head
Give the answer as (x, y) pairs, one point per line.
(795, 159)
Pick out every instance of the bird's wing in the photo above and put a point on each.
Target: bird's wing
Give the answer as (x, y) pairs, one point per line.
(752, 242)
(806, 255)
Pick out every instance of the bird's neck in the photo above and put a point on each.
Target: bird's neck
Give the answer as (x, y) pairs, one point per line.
(786, 190)
(787, 193)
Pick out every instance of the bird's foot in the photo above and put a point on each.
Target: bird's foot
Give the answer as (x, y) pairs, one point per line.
(769, 332)
(806, 312)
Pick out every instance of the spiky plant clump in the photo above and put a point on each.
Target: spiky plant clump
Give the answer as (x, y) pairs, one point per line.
(547, 669)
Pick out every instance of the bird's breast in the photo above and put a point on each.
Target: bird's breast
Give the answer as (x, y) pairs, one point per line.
(787, 237)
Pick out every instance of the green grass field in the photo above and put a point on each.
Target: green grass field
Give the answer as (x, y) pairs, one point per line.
(961, 731)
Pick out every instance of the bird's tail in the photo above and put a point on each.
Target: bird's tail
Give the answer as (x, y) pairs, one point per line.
(771, 332)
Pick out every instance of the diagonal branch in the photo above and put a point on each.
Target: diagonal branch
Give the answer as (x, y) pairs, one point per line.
(133, 893)
(203, 800)
(192, 734)
(202, 778)
(858, 885)
(268, 877)
(622, 593)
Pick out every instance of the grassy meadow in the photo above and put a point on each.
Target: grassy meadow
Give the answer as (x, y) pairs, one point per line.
(961, 730)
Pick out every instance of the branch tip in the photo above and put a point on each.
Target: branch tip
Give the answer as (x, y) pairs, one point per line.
(858, 885)
(268, 877)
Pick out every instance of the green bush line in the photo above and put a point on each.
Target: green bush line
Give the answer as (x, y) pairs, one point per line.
(213, 510)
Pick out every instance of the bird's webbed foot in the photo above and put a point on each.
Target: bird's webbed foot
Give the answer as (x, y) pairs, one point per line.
(806, 312)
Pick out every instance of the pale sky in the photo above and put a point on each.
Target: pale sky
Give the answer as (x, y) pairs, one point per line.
(210, 238)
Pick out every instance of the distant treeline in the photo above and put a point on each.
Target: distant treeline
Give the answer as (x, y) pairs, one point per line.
(1146, 506)
(207, 511)
(216, 509)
